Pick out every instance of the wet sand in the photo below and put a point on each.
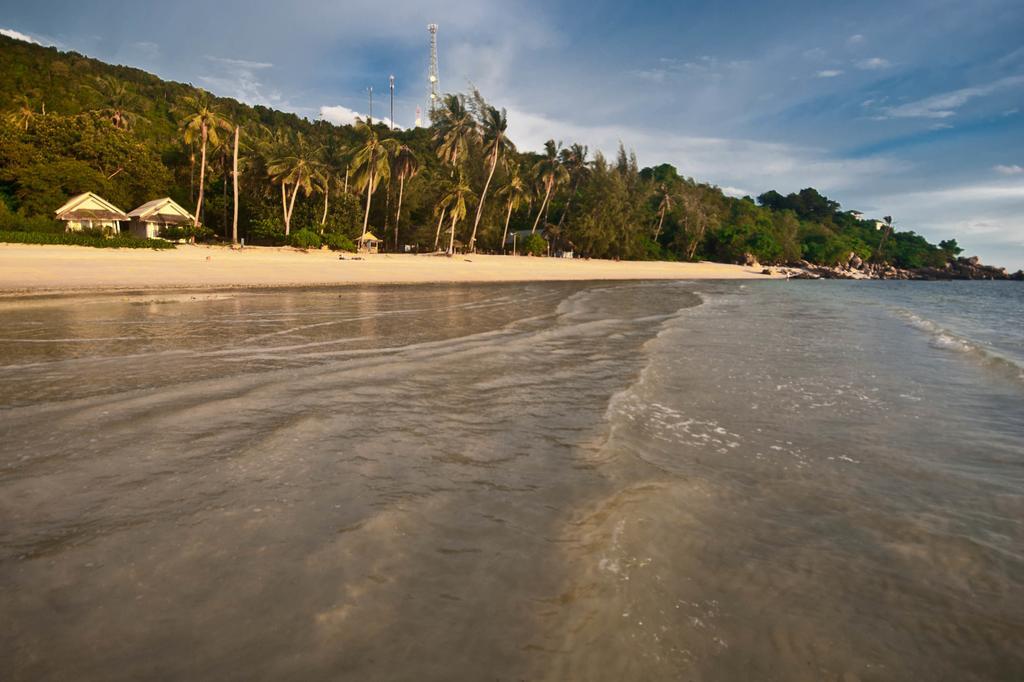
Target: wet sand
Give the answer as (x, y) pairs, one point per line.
(35, 268)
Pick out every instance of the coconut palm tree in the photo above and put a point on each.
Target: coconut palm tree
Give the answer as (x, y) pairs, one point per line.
(404, 166)
(493, 125)
(454, 130)
(455, 203)
(300, 169)
(663, 207)
(550, 173)
(120, 102)
(201, 120)
(23, 115)
(515, 193)
(371, 163)
(574, 158)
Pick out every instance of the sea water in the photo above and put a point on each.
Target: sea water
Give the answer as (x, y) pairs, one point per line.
(591, 481)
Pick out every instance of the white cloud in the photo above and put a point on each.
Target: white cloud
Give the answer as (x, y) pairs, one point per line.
(341, 115)
(18, 35)
(945, 105)
(829, 73)
(855, 39)
(240, 79)
(873, 64)
(1009, 170)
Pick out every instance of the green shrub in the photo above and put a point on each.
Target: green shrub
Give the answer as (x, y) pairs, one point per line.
(266, 233)
(176, 232)
(339, 242)
(304, 239)
(79, 239)
(15, 222)
(535, 245)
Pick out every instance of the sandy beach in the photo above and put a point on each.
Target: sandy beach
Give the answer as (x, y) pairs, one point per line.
(32, 268)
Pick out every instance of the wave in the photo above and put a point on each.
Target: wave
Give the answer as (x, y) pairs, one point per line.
(946, 339)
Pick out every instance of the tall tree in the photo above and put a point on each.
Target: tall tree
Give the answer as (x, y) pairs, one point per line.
(454, 130)
(300, 170)
(664, 206)
(515, 193)
(493, 126)
(550, 173)
(404, 166)
(234, 182)
(120, 102)
(455, 202)
(201, 120)
(371, 164)
(574, 158)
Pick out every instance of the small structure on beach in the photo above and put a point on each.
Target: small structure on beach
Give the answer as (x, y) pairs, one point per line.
(368, 243)
(90, 211)
(147, 219)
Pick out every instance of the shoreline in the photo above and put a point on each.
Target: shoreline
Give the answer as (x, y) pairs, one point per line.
(56, 270)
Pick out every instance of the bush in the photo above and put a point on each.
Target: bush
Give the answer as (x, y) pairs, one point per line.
(304, 239)
(79, 239)
(535, 245)
(339, 242)
(266, 233)
(176, 232)
(15, 222)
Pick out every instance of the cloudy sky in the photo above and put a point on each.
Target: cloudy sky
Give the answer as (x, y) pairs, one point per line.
(914, 109)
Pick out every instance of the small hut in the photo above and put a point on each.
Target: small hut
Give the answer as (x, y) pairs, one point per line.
(89, 211)
(368, 243)
(147, 219)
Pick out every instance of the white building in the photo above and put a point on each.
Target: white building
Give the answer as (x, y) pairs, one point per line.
(90, 211)
(147, 219)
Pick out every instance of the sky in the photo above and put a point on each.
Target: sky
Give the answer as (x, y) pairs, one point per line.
(911, 109)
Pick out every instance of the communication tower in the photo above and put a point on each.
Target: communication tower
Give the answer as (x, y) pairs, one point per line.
(432, 77)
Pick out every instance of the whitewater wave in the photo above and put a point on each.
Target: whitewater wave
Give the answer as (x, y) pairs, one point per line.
(946, 339)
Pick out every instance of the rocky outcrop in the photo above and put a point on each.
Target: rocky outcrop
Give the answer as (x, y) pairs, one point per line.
(856, 268)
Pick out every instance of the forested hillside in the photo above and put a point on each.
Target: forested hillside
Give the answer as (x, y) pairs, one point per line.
(73, 124)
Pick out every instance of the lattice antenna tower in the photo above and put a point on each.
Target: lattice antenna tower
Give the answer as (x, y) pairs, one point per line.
(433, 76)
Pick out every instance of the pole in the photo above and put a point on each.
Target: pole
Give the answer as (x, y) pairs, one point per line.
(391, 82)
(369, 118)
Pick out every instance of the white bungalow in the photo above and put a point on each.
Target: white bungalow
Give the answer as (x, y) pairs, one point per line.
(147, 219)
(90, 211)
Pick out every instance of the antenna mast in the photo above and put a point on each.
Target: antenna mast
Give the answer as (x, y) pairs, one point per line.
(433, 77)
(391, 82)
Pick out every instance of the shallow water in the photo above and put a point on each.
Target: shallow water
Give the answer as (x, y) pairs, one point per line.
(776, 480)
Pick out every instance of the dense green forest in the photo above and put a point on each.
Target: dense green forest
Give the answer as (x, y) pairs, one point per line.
(73, 124)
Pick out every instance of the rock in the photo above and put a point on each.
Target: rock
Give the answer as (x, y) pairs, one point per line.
(766, 271)
(974, 260)
(750, 260)
(856, 261)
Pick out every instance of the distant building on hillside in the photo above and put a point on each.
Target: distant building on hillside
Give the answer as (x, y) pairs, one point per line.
(90, 211)
(857, 215)
(147, 219)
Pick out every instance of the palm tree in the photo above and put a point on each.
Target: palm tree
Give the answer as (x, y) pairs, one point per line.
(299, 169)
(455, 202)
(120, 101)
(201, 119)
(663, 207)
(454, 130)
(550, 173)
(234, 182)
(493, 125)
(404, 166)
(371, 163)
(23, 115)
(574, 158)
(886, 233)
(516, 193)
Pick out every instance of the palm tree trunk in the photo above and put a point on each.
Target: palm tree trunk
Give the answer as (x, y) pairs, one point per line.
(483, 195)
(568, 203)
(508, 217)
(234, 181)
(224, 195)
(540, 211)
(291, 209)
(398, 213)
(202, 179)
(660, 221)
(451, 240)
(346, 179)
(284, 200)
(437, 236)
(327, 194)
(369, 194)
(191, 172)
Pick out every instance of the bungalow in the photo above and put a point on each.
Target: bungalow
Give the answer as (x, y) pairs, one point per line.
(89, 211)
(368, 243)
(147, 219)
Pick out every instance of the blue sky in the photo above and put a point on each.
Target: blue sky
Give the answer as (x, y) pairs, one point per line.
(909, 109)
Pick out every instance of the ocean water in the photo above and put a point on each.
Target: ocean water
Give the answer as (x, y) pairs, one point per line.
(573, 481)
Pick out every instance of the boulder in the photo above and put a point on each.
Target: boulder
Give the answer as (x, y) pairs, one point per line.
(856, 261)
(750, 260)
